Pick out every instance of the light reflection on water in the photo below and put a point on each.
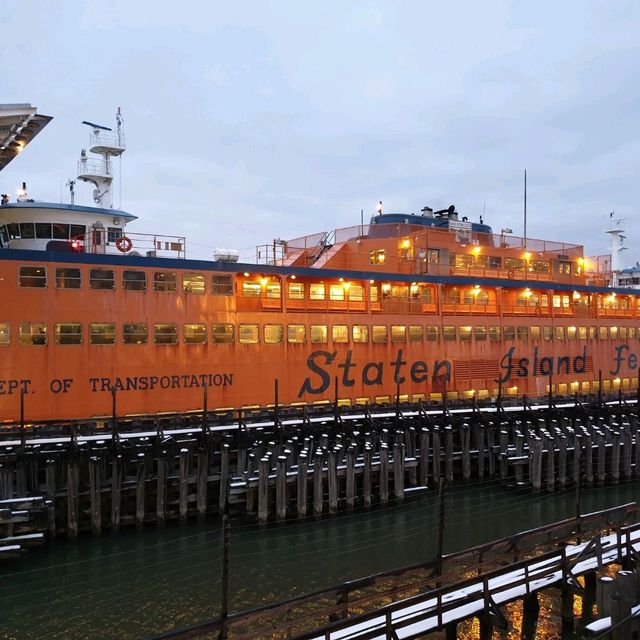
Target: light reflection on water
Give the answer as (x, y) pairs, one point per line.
(138, 583)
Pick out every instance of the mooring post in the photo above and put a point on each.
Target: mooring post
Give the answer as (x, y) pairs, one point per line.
(263, 490)
(72, 495)
(116, 486)
(161, 488)
(226, 561)
(332, 472)
(302, 485)
(351, 477)
(224, 474)
(366, 476)
(317, 482)
(424, 456)
(95, 494)
(281, 487)
(203, 478)
(384, 472)
(398, 471)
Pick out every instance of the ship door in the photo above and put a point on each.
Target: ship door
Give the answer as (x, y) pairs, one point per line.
(99, 244)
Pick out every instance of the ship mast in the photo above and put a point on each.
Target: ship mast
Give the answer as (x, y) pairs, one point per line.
(617, 247)
(99, 170)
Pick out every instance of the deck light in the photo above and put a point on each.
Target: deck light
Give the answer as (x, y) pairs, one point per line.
(576, 295)
(406, 243)
(263, 282)
(293, 277)
(371, 281)
(527, 292)
(246, 274)
(346, 285)
(476, 250)
(527, 256)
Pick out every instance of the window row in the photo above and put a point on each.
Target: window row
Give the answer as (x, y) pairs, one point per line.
(35, 333)
(132, 280)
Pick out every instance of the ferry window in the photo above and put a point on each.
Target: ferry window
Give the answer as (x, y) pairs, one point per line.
(508, 333)
(296, 290)
(43, 230)
(336, 292)
(68, 333)
(248, 333)
(452, 296)
(60, 231)
(27, 231)
(273, 333)
(101, 279)
(316, 291)
(398, 333)
(564, 267)
(68, 278)
(571, 333)
(222, 333)
(318, 333)
(5, 334)
(480, 333)
(221, 285)
(386, 290)
(613, 332)
(379, 332)
(461, 260)
(514, 263)
(165, 281)
(273, 290)
(193, 283)
(603, 333)
(494, 334)
(523, 333)
(251, 289)
(400, 291)
(632, 333)
(622, 333)
(102, 333)
(432, 334)
(195, 333)
(593, 333)
(373, 293)
(377, 256)
(547, 333)
(135, 333)
(296, 333)
(13, 230)
(340, 333)
(425, 293)
(33, 277)
(166, 333)
(33, 333)
(113, 233)
(415, 333)
(465, 334)
(134, 280)
(449, 333)
(356, 293)
(77, 231)
(559, 333)
(582, 333)
(535, 333)
(360, 333)
(539, 266)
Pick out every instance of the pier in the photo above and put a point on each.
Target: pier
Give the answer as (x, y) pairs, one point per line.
(138, 471)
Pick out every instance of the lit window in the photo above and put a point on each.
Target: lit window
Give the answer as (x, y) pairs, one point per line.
(613, 332)
(494, 334)
(273, 333)
(356, 293)
(449, 333)
(134, 333)
(632, 333)
(603, 333)
(432, 334)
(340, 333)
(222, 333)
(33, 333)
(296, 290)
(317, 291)
(582, 333)
(336, 292)
(166, 333)
(68, 278)
(193, 283)
(415, 333)
(373, 293)
(360, 333)
(559, 333)
(379, 333)
(195, 333)
(547, 333)
(318, 333)
(102, 333)
(564, 267)
(480, 333)
(272, 290)
(571, 333)
(398, 333)
(5, 334)
(535, 333)
(377, 256)
(400, 291)
(508, 333)
(593, 333)
(465, 334)
(35, 277)
(523, 333)
(296, 333)
(251, 289)
(68, 333)
(101, 279)
(221, 285)
(248, 333)
(622, 333)
(134, 280)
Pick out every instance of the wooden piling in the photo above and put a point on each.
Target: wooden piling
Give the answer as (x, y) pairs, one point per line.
(72, 497)
(318, 490)
(366, 476)
(424, 457)
(384, 472)
(141, 485)
(465, 437)
(332, 473)
(263, 490)
(183, 484)
(202, 483)
(302, 486)
(116, 491)
(351, 478)
(448, 454)
(95, 494)
(161, 487)
(224, 475)
(398, 471)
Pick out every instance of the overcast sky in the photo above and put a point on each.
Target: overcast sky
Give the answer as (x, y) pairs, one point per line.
(247, 121)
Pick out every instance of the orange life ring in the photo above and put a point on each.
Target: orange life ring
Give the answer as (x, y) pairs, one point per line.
(124, 244)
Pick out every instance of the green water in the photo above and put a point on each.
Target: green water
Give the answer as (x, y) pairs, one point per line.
(137, 583)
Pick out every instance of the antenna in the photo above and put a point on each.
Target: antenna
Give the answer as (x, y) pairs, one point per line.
(525, 209)
(95, 126)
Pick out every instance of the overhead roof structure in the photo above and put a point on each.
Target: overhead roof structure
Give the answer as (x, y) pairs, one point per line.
(19, 124)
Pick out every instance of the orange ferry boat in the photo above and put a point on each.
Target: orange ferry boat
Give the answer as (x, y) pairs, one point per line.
(418, 305)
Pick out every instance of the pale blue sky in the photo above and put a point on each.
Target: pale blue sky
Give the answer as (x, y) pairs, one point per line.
(255, 120)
